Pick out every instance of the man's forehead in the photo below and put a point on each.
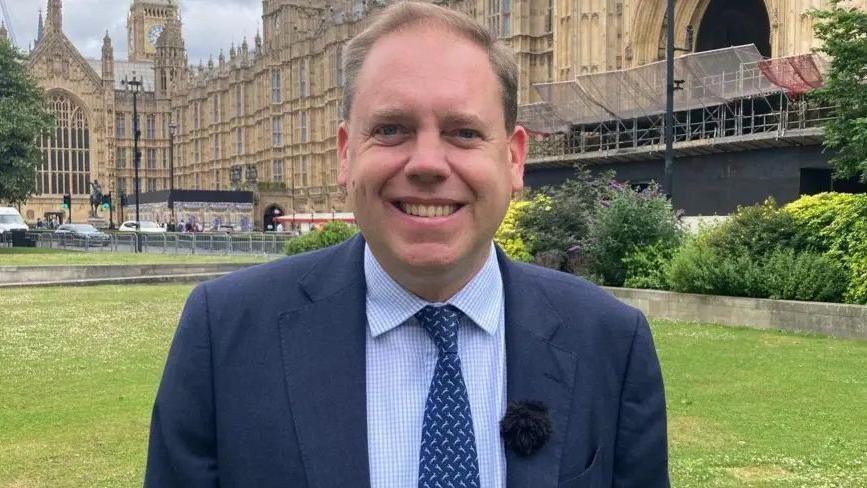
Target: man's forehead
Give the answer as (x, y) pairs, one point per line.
(399, 49)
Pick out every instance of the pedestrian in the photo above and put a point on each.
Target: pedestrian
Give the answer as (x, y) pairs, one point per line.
(415, 354)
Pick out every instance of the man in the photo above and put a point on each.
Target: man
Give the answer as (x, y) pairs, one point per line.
(390, 360)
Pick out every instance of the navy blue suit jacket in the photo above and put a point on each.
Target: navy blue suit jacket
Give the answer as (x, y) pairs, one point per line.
(264, 385)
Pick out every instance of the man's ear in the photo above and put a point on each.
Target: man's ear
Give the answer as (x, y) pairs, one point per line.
(342, 149)
(518, 145)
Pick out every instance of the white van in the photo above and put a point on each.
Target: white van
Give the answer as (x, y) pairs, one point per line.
(10, 219)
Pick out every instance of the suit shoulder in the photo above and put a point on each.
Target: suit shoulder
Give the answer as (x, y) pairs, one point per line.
(280, 275)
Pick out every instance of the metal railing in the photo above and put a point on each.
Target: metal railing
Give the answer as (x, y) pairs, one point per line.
(170, 242)
(757, 118)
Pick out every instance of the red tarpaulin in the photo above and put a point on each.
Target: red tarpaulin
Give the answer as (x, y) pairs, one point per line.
(795, 74)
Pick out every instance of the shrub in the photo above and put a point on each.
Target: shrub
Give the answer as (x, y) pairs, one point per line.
(857, 290)
(758, 231)
(783, 274)
(815, 214)
(805, 276)
(696, 267)
(331, 233)
(510, 236)
(630, 219)
(647, 266)
(335, 232)
(836, 223)
(558, 218)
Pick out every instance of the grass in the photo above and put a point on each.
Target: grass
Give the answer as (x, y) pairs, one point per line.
(747, 408)
(35, 256)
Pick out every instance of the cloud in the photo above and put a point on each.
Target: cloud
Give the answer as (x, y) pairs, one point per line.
(209, 25)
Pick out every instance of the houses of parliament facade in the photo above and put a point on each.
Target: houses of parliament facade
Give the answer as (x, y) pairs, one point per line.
(264, 114)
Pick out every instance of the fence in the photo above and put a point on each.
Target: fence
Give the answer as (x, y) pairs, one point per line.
(169, 242)
(731, 122)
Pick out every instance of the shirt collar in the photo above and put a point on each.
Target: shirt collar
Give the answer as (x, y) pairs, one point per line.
(389, 304)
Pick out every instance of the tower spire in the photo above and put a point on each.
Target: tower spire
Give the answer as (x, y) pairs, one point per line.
(54, 14)
(39, 27)
(107, 59)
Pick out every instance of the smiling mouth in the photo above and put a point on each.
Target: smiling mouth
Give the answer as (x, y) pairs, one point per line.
(427, 211)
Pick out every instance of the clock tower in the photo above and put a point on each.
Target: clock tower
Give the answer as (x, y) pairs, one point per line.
(147, 20)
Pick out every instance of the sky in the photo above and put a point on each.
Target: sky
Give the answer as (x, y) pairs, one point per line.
(209, 25)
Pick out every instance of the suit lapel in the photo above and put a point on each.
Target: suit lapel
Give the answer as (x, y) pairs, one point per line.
(537, 370)
(323, 348)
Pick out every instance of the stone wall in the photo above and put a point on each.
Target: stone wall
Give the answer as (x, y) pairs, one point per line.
(846, 321)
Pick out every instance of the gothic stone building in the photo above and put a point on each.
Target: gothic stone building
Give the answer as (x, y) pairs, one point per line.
(264, 115)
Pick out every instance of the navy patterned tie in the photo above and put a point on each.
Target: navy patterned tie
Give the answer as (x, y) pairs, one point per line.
(448, 455)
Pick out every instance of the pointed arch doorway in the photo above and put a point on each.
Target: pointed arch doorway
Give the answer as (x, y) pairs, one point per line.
(272, 212)
(728, 23)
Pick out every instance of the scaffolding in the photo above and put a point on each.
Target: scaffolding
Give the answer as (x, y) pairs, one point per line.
(721, 95)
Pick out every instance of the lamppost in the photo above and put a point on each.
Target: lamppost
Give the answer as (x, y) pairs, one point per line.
(133, 86)
(668, 177)
(173, 127)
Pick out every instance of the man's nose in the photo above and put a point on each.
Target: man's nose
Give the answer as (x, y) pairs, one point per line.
(428, 161)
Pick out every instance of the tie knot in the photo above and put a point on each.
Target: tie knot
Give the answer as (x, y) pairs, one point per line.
(441, 324)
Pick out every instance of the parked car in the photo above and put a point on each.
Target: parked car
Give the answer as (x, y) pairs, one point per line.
(10, 219)
(86, 232)
(147, 227)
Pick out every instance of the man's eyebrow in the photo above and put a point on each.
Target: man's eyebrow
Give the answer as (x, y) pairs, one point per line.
(402, 115)
(461, 118)
(389, 113)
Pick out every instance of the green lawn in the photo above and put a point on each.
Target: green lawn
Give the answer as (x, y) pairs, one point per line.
(747, 408)
(35, 256)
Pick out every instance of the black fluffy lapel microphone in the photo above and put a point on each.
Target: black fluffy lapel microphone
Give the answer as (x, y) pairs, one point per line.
(526, 427)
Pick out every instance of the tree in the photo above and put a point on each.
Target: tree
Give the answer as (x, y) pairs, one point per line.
(23, 118)
(844, 34)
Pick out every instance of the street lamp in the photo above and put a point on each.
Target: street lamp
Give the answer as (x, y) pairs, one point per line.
(173, 127)
(133, 86)
(670, 82)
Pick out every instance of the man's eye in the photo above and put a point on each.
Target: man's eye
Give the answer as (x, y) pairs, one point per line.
(390, 130)
(467, 133)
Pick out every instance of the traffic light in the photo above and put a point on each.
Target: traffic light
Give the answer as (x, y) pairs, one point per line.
(106, 201)
(123, 200)
(67, 201)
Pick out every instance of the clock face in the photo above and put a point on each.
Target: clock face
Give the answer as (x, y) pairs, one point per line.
(154, 34)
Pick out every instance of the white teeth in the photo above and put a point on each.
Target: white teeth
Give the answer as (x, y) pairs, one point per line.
(428, 210)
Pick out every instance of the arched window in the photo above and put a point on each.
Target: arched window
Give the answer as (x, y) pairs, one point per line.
(65, 164)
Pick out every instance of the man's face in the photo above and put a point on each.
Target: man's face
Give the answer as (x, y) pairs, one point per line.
(426, 160)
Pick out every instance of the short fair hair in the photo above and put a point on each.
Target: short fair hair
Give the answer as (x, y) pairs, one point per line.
(404, 15)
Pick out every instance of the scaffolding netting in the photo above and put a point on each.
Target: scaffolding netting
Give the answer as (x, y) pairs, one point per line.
(703, 79)
(794, 74)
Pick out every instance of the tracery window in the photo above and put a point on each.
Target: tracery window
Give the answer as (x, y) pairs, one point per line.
(277, 170)
(65, 164)
(302, 127)
(338, 66)
(500, 17)
(275, 86)
(302, 78)
(150, 126)
(120, 158)
(302, 171)
(120, 125)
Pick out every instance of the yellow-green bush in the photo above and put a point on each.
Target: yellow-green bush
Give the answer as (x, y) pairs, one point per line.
(509, 235)
(330, 234)
(836, 224)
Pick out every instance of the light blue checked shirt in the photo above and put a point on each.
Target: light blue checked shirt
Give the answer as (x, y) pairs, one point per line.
(400, 365)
